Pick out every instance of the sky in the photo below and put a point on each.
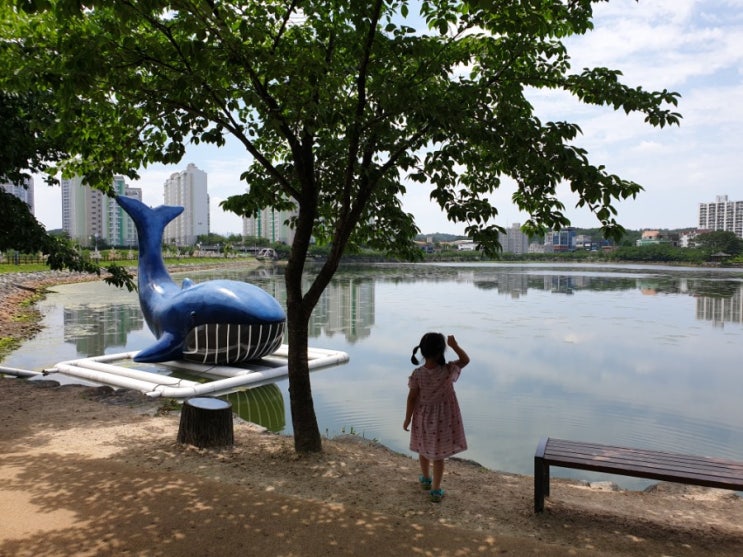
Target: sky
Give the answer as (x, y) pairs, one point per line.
(693, 47)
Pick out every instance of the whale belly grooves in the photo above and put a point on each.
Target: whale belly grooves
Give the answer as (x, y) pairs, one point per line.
(229, 343)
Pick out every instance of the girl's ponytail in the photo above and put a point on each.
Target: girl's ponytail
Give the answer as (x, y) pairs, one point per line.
(413, 359)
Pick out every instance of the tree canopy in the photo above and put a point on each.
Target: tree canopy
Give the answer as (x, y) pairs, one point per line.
(720, 241)
(342, 107)
(27, 148)
(20, 231)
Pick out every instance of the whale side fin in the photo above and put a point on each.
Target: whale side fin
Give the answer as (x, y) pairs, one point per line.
(168, 347)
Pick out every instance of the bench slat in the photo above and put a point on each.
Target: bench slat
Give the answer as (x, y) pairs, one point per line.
(647, 459)
(595, 448)
(651, 471)
(643, 463)
(560, 450)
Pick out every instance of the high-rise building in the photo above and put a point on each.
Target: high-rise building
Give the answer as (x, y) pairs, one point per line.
(270, 224)
(515, 241)
(81, 211)
(24, 192)
(91, 218)
(120, 228)
(187, 189)
(722, 215)
(560, 240)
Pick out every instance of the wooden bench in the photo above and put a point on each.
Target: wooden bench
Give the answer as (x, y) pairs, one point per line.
(641, 463)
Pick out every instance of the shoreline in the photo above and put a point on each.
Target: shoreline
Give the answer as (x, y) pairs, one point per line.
(47, 425)
(19, 318)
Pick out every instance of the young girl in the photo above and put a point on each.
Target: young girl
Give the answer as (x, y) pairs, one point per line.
(437, 431)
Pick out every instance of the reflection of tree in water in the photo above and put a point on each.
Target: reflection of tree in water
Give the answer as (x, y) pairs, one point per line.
(92, 329)
(519, 282)
(262, 405)
(714, 289)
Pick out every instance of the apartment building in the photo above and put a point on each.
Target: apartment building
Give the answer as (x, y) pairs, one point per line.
(24, 192)
(514, 240)
(270, 224)
(722, 215)
(91, 218)
(187, 189)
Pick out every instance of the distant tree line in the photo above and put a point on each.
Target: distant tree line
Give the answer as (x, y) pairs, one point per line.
(717, 246)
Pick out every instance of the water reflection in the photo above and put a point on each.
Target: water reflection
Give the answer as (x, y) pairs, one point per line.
(94, 328)
(262, 405)
(721, 309)
(348, 305)
(631, 356)
(345, 308)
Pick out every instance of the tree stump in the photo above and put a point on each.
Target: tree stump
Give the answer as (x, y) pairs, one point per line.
(206, 422)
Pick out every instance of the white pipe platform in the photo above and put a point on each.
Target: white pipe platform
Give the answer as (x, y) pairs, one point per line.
(221, 379)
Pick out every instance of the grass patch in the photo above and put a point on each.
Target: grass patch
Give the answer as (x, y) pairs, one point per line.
(6, 268)
(29, 302)
(168, 405)
(8, 345)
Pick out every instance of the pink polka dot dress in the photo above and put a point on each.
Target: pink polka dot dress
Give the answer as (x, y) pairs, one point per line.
(436, 431)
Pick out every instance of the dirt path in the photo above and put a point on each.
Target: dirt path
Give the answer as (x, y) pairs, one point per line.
(94, 472)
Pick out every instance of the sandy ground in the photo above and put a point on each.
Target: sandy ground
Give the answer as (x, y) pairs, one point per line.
(92, 471)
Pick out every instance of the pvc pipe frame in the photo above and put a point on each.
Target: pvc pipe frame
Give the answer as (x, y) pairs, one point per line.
(14, 371)
(155, 385)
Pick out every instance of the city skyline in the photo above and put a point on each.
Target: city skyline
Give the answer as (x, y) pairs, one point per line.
(688, 46)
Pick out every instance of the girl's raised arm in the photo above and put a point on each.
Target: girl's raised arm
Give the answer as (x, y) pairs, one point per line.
(464, 359)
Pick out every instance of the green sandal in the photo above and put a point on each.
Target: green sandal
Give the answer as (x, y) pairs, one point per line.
(437, 495)
(425, 482)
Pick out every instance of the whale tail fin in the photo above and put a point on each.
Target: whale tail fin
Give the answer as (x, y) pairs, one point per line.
(145, 217)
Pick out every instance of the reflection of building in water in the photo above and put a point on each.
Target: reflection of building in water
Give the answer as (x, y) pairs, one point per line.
(559, 284)
(346, 306)
(721, 310)
(514, 284)
(93, 329)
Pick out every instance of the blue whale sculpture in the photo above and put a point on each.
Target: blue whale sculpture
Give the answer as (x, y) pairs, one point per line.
(217, 321)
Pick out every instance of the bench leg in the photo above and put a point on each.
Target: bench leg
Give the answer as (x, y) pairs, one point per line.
(541, 483)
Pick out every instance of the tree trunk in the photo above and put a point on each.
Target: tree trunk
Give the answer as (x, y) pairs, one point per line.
(206, 422)
(304, 421)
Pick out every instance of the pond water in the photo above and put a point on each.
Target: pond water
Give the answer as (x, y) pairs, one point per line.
(643, 356)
